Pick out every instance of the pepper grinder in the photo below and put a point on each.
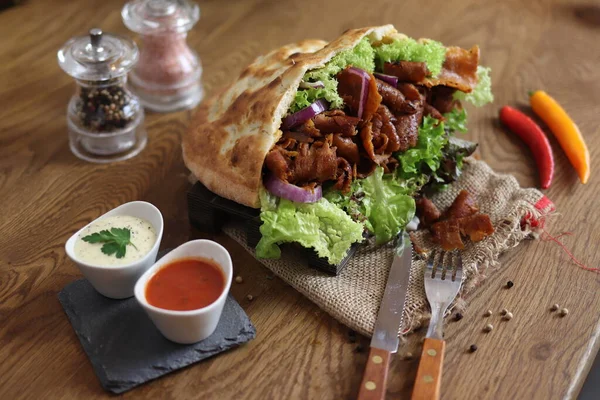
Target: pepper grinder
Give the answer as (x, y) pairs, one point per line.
(105, 120)
(167, 76)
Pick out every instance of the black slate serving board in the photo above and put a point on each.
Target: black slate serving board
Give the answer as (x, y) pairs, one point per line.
(124, 346)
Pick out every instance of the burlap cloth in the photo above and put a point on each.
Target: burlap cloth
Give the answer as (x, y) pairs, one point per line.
(354, 295)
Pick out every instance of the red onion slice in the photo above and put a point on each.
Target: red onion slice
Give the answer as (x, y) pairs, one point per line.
(292, 192)
(392, 80)
(364, 90)
(305, 114)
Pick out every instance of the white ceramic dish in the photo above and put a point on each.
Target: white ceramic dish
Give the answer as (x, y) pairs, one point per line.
(117, 282)
(195, 325)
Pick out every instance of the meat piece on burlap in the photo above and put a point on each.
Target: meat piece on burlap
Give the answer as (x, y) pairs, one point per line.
(427, 212)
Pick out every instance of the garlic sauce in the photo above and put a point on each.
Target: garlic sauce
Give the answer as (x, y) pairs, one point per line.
(143, 236)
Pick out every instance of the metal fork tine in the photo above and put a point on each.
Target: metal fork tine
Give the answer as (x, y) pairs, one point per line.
(444, 263)
(441, 288)
(453, 266)
(458, 269)
(430, 270)
(439, 267)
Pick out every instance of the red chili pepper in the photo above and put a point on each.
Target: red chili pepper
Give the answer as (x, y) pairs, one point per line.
(534, 138)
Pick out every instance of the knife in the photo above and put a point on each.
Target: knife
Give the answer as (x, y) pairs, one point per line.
(385, 336)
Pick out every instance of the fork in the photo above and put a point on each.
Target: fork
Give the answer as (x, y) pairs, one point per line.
(441, 286)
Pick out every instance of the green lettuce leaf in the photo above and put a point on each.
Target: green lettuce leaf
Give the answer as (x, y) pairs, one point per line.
(434, 150)
(456, 120)
(482, 94)
(451, 165)
(305, 97)
(384, 203)
(425, 157)
(360, 56)
(429, 51)
(322, 226)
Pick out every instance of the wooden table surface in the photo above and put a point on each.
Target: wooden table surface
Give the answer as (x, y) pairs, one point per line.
(299, 351)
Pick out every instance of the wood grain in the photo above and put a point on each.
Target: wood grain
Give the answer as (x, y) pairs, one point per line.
(299, 352)
(429, 375)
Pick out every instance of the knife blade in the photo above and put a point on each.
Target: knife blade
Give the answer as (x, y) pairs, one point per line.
(385, 335)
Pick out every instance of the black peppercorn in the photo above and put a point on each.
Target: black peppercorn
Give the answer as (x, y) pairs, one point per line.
(458, 316)
(99, 109)
(509, 284)
(473, 348)
(359, 349)
(352, 336)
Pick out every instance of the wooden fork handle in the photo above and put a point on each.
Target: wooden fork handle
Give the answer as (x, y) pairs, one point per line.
(429, 374)
(374, 379)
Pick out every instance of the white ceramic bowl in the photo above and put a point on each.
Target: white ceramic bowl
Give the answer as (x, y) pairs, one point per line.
(117, 282)
(194, 325)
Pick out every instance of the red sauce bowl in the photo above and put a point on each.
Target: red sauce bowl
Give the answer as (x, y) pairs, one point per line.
(184, 292)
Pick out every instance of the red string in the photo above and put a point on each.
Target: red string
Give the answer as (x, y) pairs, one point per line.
(556, 237)
(573, 258)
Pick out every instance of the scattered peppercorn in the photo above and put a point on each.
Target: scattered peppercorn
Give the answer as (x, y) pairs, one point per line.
(509, 284)
(359, 349)
(554, 307)
(488, 328)
(508, 316)
(458, 316)
(473, 348)
(504, 311)
(239, 279)
(563, 312)
(352, 336)
(487, 313)
(250, 297)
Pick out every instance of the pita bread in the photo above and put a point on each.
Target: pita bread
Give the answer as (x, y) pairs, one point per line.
(233, 131)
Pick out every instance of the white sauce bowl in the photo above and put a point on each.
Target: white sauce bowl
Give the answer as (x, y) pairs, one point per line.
(117, 282)
(191, 326)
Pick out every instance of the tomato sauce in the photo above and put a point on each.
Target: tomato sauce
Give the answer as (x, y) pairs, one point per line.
(186, 284)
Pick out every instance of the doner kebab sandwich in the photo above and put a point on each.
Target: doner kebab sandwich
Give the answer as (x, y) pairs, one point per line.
(335, 140)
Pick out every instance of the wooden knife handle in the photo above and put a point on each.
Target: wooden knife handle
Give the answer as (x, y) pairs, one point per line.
(374, 379)
(429, 374)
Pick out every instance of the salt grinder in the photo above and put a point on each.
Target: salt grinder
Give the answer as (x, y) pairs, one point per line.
(105, 120)
(167, 76)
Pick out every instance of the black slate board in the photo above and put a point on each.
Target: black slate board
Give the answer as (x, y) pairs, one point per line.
(125, 347)
(209, 212)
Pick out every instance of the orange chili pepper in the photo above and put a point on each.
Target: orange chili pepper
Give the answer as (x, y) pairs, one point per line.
(565, 131)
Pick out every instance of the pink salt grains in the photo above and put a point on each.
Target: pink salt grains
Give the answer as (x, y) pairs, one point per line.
(167, 75)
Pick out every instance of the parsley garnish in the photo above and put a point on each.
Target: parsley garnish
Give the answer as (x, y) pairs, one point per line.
(115, 241)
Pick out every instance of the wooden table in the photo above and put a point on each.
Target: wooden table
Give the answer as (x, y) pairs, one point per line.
(299, 352)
